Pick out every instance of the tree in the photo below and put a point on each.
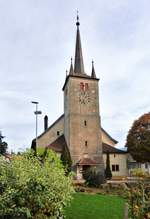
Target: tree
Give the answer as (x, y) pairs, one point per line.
(138, 139)
(3, 145)
(33, 188)
(108, 173)
(66, 159)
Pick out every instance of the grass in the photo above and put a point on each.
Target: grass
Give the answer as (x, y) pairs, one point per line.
(95, 206)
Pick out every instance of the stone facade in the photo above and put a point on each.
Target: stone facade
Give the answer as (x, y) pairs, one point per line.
(82, 120)
(52, 133)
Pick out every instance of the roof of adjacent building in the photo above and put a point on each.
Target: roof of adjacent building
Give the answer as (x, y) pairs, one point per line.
(86, 161)
(111, 150)
(58, 144)
(109, 136)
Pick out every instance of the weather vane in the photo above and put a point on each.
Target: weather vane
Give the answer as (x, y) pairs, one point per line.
(77, 23)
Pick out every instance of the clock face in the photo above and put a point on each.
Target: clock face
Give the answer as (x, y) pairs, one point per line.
(84, 97)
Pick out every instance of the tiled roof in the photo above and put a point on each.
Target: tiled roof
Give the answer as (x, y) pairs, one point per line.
(86, 161)
(58, 144)
(112, 150)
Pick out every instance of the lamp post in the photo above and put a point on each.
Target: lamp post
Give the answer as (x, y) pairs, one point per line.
(36, 114)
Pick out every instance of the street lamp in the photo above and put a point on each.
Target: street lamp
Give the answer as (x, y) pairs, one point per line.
(36, 114)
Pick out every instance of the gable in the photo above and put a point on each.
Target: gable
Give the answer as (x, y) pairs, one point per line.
(107, 139)
(51, 134)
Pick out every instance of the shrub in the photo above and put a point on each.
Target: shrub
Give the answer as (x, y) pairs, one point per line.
(108, 173)
(139, 173)
(66, 159)
(93, 177)
(139, 201)
(30, 188)
(139, 196)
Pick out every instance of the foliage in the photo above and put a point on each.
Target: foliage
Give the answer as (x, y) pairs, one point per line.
(108, 173)
(66, 159)
(3, 145)
(93, 177)
(138, 139)
(139, 201)
(30, 188)
(139, 172)
(139, 197)
(95, 206)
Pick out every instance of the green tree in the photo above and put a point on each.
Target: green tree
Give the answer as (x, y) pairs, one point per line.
(30, 188)
(3, 145)
(108, 173)
(66, 159)
(138, 139)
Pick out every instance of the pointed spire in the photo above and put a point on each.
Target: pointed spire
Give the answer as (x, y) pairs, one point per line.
(71, 72)
(78, 62)
(66, 73)
(93, 75)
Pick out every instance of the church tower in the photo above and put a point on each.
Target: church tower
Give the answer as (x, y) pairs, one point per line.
(81, 113)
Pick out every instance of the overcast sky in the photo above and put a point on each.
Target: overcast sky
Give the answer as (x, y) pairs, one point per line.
(37, 40)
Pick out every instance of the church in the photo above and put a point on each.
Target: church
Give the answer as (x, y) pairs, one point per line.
(79, 128)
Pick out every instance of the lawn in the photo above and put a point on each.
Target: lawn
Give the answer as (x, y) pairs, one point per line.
(95, 206)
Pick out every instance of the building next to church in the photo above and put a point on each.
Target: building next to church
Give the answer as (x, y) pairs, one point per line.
(79, 128)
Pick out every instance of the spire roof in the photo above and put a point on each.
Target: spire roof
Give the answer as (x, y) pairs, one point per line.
(78, 62)
(71, 72)
(93, 75)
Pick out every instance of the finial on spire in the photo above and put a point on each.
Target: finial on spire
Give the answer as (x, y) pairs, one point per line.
(77, 23)
(93, 75)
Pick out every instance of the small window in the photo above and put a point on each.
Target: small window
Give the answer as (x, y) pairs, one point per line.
(86, 143)
(146, 165)
(58, 133)
(115, 167)
(86, 86)
(85, 123)
(114, 155)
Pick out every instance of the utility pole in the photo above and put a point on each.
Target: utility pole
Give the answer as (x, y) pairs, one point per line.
(37, 112)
